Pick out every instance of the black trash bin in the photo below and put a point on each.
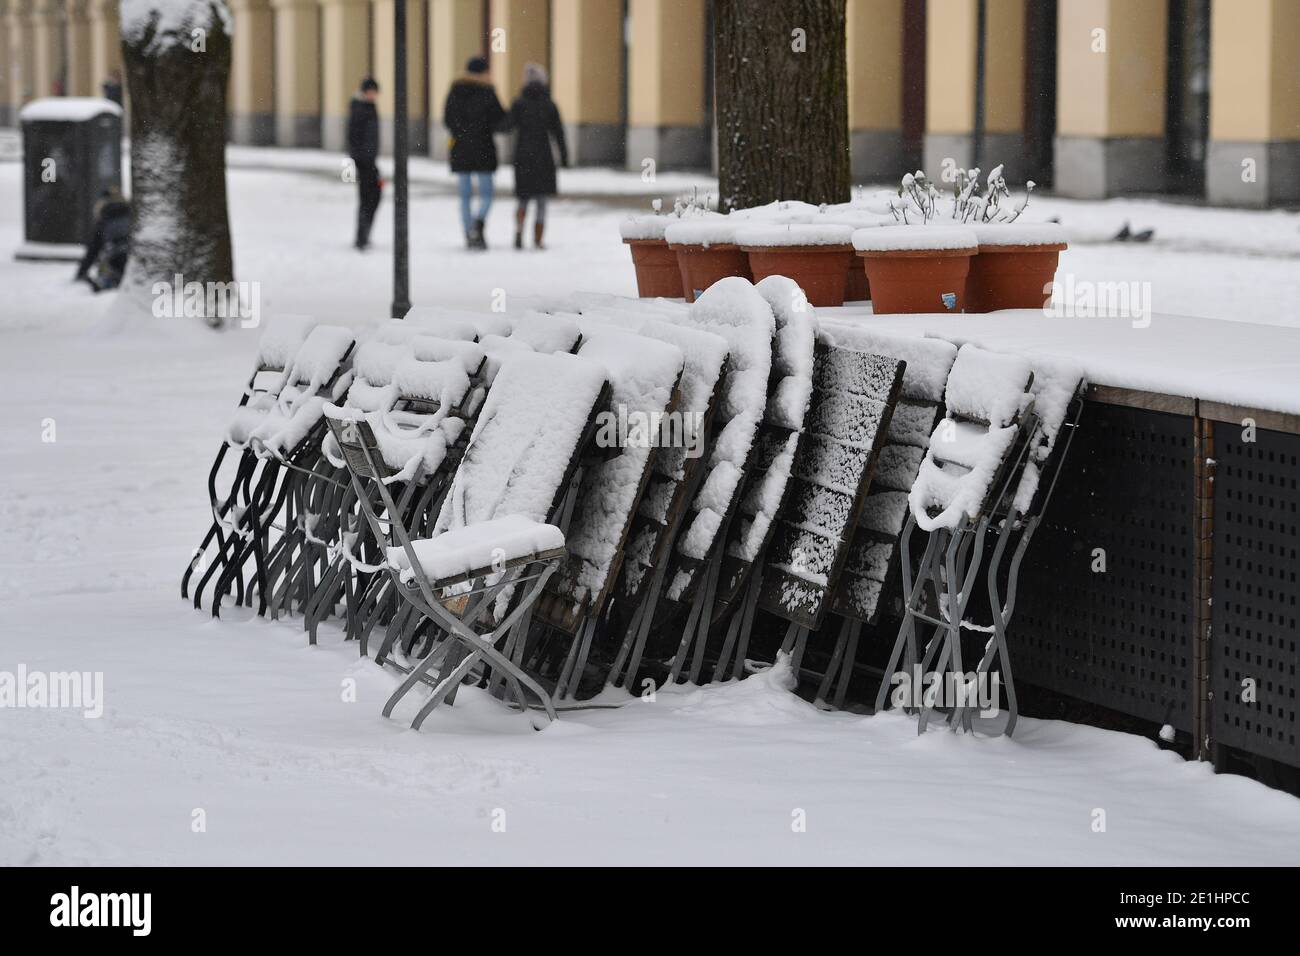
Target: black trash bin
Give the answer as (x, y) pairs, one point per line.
(72, 152)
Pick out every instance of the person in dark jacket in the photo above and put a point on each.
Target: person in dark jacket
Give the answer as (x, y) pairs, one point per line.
(363, 147)
(112, 87)
(472, 114)
(110, 243)
(536, 120)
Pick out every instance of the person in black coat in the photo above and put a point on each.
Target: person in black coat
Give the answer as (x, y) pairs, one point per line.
(363, 148)
(536, 121)
(472, 113)
(109, 244)
(112, 87)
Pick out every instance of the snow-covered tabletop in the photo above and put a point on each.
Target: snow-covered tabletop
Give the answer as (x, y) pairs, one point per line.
(1236, 363)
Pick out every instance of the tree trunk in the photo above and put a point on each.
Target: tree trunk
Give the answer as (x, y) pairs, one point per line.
(177, 58)
(781, 83)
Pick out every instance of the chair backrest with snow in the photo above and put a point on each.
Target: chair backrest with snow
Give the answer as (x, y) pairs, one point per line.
(854, 397)
(1058, 390)
(733, 309)
(979, 443)
(683, 441)
(537, 422)
(869, 579)
(644, 377)
(316, 375)
(780, 434)
(300, 365)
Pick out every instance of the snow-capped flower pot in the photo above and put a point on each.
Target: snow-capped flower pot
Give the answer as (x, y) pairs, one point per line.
(706, 251)
(656, 265)
(916, 268)
(815, 256)
(857, 287)
(1015, 266)
(859, 215)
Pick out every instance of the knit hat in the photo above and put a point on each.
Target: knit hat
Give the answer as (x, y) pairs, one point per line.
(534, 73)
(476, 64)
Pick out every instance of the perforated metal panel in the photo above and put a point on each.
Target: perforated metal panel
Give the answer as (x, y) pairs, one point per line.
(1256, 610)
(1120, 637)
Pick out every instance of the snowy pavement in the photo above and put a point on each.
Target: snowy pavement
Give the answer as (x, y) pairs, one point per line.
(242, 720)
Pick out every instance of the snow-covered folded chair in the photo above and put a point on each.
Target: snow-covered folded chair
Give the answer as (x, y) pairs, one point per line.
(854, 397)
(275, 351)
(418, 398)
(871, 574)
(644, 376)
(676, 469)
(734, 310)
(768, 477)
(1058, 391)
(508, 502)
(970, 473)
(280, 427)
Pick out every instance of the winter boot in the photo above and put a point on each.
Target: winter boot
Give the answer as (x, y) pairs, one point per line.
(480, 240)
(519, 228)
(538, 229)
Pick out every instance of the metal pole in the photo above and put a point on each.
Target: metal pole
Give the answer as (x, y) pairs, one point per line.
(401, 252)
(981, 51)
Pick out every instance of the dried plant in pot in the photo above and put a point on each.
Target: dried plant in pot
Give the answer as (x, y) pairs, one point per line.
(706, 251)
(816, 257)
(916, 268)
(1017, 261)
(1015, 267)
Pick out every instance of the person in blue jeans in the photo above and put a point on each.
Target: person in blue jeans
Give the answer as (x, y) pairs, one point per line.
(472, 114)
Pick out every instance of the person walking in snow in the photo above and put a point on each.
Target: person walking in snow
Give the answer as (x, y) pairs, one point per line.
(363, 148)
(472, 113)
(536, 121)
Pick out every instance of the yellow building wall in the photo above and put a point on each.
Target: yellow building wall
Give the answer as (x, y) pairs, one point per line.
(587, 48)
(874, 33)
(666, 63)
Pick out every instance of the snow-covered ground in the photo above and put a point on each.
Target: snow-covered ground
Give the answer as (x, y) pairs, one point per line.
(241, 719)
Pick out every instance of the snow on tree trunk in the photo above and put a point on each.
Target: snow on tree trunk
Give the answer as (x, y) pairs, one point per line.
(781, 79)
(177, 57)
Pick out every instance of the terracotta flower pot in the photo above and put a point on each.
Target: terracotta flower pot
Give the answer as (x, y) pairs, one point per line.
(917, 281)
(1014, 268)
(857, 287)
(821, 271)
(702, 265)
(657, 273)
(916, 268)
